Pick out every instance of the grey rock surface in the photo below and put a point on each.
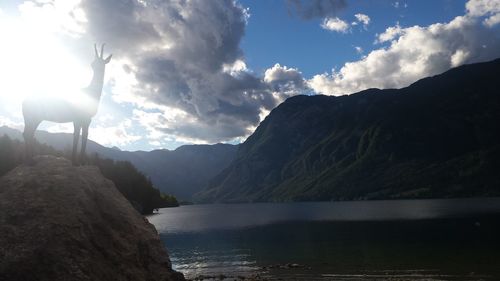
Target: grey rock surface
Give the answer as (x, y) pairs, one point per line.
(60, 222)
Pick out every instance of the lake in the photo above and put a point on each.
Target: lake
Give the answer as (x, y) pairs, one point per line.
(442, 239)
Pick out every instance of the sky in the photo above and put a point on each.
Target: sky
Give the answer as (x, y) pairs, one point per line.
(209, 71)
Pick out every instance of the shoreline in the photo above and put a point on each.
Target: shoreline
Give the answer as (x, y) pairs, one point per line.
(302, 272)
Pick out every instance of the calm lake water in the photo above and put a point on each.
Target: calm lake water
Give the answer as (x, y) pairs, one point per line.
(451, 239)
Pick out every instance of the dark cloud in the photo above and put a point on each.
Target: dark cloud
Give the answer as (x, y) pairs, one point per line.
(179, 52)
(309, 9)
(119, 23)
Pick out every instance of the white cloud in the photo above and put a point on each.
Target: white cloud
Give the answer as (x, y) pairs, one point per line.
(278, 72)
(459, 57)
(358, 49)
(414, 52)
(479, 8)
(6, 121)
(488, 8)
(362, 18)
(56, 15)
(158, 120)
(176, 125)
(338, 25)
(60, 128)
(235, 68)
(493, 20)
(284, 81)
(389, 34)
(117, 135)
(335, 24)
(155, 143)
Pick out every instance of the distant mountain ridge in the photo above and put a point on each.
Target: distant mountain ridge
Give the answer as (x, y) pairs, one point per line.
(439, 137)
(181, 172)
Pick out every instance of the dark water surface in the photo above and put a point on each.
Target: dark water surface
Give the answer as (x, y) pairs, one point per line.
(450, 239)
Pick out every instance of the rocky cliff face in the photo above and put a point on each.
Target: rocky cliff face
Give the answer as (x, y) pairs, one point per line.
(59, 222)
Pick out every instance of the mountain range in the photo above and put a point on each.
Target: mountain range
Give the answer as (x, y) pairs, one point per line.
(181, 172)
(439, 137)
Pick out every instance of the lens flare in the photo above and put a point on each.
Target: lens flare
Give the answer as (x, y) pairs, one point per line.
(34, 63)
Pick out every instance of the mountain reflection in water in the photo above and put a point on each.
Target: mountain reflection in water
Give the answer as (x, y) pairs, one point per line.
(450, 239)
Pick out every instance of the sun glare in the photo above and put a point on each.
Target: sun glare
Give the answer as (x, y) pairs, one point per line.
(33, 63)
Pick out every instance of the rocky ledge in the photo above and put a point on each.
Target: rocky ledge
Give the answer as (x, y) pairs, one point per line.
(60, 222)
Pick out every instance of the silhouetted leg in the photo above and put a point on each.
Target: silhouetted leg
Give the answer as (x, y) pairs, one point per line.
(28, 144)
(76, 136)
(29, 140)
(85, 134)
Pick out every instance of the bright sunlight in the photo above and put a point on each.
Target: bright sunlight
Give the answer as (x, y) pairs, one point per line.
(34, 63)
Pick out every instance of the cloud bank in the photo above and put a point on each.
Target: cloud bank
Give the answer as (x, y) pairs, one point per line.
(418, 51)
(185, 57)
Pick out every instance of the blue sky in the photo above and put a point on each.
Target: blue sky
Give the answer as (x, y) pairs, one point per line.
(209, 71)
(273, 35)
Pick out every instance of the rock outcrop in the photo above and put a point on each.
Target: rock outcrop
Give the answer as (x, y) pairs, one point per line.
(60, 222)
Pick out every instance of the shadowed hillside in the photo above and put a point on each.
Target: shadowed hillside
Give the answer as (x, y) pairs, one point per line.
(439, 137)
(186, 170)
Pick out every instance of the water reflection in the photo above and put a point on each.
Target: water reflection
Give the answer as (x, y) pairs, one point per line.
(405, 240)
(196, 218)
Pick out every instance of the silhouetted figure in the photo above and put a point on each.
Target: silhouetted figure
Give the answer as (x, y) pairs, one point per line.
(76, 109)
